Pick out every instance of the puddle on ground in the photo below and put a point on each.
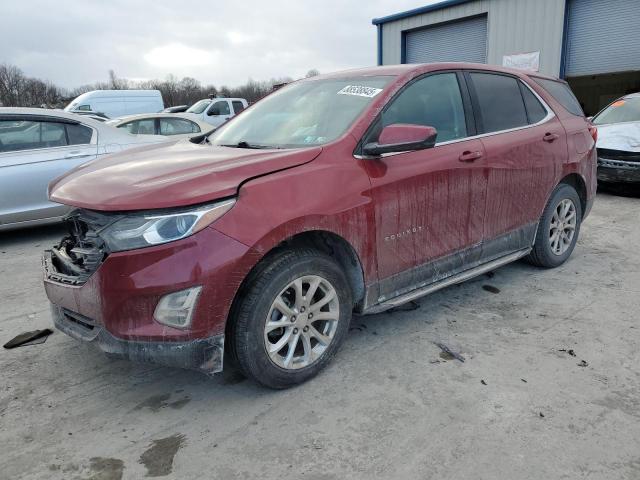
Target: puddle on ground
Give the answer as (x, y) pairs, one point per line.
(106, 468)
(157, 402)
(158, 458)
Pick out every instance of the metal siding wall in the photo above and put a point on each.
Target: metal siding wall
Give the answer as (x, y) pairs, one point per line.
(514, 26)
(461, 41)
(603, 37)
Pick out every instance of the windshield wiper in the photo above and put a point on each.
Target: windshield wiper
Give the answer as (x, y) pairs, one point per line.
(243, 144)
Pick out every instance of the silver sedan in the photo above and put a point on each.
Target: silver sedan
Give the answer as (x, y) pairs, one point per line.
(38, 145)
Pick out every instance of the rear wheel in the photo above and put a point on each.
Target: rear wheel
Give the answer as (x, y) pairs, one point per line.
(293, 316)
(558, 229)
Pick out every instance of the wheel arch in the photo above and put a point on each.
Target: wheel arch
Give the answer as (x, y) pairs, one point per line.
(578, 183)
(325, 241)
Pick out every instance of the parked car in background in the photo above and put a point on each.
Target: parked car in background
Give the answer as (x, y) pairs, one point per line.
(116, 103)
(217, 111)
(397, 181)
(619, 140)
(175, 125)
(176, 109)
(38, 145)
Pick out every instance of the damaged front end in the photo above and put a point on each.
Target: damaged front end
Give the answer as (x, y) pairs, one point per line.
(81, 252)
(76, 284)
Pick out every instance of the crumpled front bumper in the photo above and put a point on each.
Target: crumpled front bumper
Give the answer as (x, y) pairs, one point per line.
(618, 171)
(202, 354)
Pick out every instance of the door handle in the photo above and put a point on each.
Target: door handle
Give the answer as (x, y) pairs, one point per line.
(550, 137)
(77, 155)
(470, 156)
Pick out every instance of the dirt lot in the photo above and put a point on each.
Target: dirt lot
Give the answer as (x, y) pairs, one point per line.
(389, 406)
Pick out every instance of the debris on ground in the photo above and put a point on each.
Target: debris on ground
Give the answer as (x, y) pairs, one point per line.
(29, 338)
(583, 363)
(490, 274)
(569, 351)
(541, 415)
(448, 351)
(483, 382)
(523, 380)
(490, 288)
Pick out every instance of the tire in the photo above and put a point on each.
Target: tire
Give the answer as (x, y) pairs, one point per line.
(547, 253)
(274, 311)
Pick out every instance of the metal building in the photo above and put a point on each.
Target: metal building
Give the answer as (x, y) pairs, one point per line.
(593, 44)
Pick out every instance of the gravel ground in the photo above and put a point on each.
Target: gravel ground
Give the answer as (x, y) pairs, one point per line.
(391, 405)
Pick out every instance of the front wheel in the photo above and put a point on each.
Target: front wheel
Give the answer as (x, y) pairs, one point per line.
(293, 316)
(558, 229)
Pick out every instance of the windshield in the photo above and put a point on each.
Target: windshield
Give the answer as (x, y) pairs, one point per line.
(199, 107)
(306, 113)
(623, 110)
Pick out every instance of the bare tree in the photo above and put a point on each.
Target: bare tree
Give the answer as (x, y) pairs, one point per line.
(18, 90)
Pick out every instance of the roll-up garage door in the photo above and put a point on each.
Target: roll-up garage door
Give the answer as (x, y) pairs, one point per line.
(460, 41)
(603, 36)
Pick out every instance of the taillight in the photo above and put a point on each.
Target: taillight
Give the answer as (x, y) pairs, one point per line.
(593, 130)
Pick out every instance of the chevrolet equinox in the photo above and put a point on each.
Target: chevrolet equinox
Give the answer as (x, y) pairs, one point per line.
(353, 191)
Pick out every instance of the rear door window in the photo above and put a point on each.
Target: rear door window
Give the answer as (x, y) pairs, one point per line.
(177, 126)
(499, 101)
(140, 127)
(238, 106)
(535, 110)
(563, 94)
(433, 101)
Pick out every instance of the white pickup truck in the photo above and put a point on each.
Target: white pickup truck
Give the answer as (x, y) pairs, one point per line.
(216, 111)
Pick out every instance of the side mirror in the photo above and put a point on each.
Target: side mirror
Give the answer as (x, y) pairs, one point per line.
(402, 137)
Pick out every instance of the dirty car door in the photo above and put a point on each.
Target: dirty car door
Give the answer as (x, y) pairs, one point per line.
(429, 204)
(525, 146)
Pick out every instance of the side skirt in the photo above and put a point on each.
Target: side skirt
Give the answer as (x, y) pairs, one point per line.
(452, 280)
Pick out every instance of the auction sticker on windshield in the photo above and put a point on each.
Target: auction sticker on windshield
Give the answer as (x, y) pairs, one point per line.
(360, 91)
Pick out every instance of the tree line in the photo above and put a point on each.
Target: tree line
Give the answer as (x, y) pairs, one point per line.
(20, 90)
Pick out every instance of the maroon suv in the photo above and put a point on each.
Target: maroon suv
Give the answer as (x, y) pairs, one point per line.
(354, 191)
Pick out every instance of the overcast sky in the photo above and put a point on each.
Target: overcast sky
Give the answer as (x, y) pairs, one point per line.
(75, 42)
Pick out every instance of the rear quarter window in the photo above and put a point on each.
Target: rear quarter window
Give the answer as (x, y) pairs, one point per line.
(562, 93)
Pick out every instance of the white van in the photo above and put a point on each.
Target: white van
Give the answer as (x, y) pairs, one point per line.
(117, 103)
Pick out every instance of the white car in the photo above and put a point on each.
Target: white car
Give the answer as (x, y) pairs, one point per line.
(619, 140)
(175, 125)
(216, 111)
(38, 145)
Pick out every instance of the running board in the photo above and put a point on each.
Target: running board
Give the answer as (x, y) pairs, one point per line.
(453, 280)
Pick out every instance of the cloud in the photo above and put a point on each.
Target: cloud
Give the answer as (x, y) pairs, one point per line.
(216, 42)
(176, 55)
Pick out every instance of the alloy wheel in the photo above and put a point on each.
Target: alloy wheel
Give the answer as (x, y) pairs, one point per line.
(302, 322)
(563, 227)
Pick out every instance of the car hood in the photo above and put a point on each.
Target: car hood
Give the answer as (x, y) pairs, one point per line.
(619, 136)
(173, 175)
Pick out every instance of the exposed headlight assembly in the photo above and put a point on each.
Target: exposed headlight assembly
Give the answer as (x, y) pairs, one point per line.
(144, 229)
